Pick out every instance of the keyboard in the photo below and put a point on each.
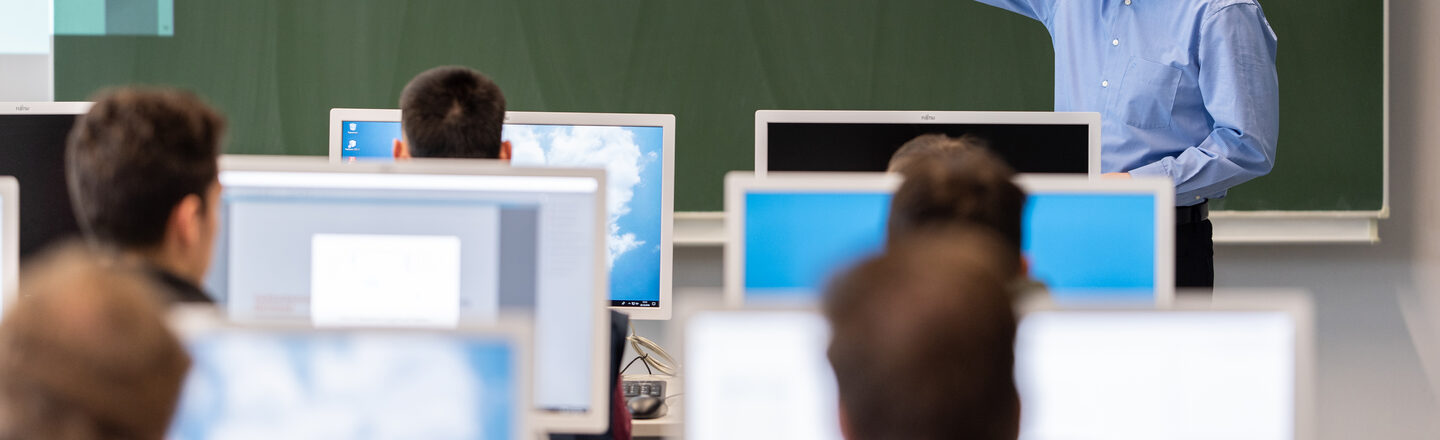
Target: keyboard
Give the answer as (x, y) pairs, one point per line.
(652, 388)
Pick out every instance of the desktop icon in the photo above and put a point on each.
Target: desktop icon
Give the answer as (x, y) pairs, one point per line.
(352, 146)
(352, 126)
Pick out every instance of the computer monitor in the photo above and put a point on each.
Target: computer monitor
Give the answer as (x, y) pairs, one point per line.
(1200, 369)
(789, 233)
(296, 382)
(759, 374)
(848, 141)
(32, 145)
(305, 240)
(1087, 240)
(9, 240)
(636, 149)
(1100, 240)
(1238, 365)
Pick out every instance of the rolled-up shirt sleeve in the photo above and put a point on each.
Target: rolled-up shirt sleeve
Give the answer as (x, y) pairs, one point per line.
(1241, 92)
(1037, 9)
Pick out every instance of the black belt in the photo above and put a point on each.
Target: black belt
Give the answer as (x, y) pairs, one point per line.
(1185, 215)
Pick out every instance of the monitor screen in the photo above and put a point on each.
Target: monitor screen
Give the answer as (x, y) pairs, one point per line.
(759, 375)
(335, 248)
(256, 384)
(1084, 246)
(796, 241)
(633, 157)
(1091, 245)
(368, 140)
(32, 148)
(836, 146)
(1157, 374)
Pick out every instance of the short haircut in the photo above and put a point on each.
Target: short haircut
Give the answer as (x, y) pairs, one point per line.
(948, 183)
(135, 156)
(936, 314)
(452, 112)
(88, 354)
(927, 145)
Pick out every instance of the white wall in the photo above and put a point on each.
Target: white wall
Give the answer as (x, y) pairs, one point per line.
(1371, 377)
(1369, 298)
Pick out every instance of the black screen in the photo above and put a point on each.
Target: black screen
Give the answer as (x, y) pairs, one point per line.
(1029, 148)
(32, 148)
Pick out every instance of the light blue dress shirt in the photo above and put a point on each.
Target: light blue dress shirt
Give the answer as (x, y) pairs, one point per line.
(1185, 88)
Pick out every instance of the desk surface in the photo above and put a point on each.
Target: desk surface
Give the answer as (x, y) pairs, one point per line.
(668, 426)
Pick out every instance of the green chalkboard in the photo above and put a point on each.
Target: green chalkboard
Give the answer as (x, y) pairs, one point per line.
(276, 67)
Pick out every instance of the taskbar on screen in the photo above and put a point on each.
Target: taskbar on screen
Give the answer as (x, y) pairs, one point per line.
(627, 303)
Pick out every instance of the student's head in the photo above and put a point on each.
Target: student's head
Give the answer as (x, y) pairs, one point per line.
(933, 314)
(452, 112)
(143, 175)
(949, 182)
(930, 145)
(87, 355)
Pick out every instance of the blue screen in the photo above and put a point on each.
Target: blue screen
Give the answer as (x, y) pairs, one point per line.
(333, 385)
(794, 242)
(367, 140)
(1079, 245)
(633, 160)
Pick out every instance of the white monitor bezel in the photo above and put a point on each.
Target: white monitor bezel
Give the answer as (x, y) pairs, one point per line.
(667, 191)
(595, 420)
(763, 119)
(740, 183)
(1296, 303)
(45, 108)
(189, 321)
(9, 239)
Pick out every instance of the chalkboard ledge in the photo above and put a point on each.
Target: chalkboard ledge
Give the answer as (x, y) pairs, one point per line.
(1304, 227)
(1231, 227)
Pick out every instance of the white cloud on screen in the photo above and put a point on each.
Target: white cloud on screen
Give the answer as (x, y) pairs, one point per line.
(343, 390)
(582, 146)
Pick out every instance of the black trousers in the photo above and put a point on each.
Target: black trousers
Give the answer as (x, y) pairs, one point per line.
(1194, 255)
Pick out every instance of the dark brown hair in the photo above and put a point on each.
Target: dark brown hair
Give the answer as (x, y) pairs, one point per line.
(135, 156)
(937, 314)
(927, 145)
(88, 354)
(452, 112)
(950, 182)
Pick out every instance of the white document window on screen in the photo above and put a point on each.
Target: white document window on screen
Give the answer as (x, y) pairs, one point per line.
(401, 280)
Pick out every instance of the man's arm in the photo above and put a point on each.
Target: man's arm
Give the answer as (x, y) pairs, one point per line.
(1241, 91)
(1041, 10)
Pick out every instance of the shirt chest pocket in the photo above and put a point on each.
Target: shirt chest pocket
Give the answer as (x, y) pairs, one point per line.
(1147, 94)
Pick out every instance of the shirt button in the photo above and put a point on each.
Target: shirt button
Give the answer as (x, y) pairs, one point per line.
(1127, 2)
(1104, 83)
(1115, 42)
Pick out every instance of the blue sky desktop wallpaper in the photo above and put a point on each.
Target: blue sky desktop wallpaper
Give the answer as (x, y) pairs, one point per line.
(375, 386)
(632, 157)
